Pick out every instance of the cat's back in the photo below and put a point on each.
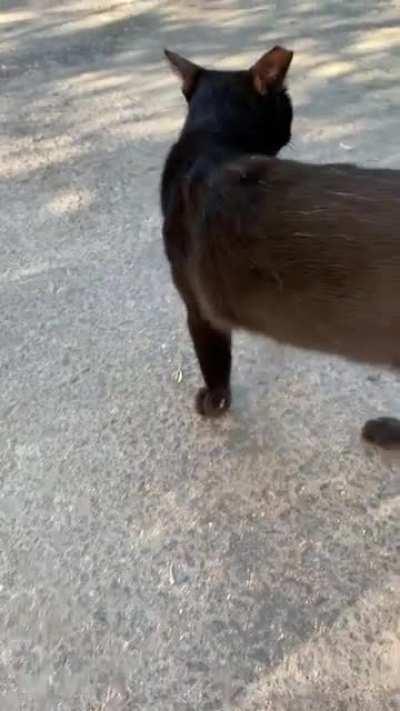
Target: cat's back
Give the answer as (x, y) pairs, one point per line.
(277, 234)
(255, 197)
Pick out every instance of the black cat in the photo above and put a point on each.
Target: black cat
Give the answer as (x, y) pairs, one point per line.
(308, 255)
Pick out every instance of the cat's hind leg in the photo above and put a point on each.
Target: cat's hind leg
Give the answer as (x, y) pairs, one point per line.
(383, 431)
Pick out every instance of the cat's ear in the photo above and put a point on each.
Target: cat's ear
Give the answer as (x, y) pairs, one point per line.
(186, 70)
(271, 69)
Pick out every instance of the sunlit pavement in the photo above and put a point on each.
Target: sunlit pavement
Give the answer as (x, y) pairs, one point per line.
(151, 561)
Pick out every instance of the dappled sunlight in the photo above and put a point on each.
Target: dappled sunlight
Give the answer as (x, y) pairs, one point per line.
(69, 201)
(81, 7)
(36, 156)
(318, 60)
(13, 17)
(143, 100)
(96, 80)
(310, 60)
(377, 76)
(133, 99)
(323, 668)
(324, 131)
(383, 39)
(333, 69)
(65, 21)
(222, 12)
(88, 21)
(157, 127)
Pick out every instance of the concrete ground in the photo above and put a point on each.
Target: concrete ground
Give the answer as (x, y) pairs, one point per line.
(150, 560)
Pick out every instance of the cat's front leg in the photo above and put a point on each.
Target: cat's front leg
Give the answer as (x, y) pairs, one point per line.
(212, 347)
(213, 350)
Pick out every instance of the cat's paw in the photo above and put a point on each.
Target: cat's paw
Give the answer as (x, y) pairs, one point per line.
(384, 431)
(213, 403)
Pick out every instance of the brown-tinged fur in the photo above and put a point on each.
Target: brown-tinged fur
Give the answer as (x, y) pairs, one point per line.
(306, 254)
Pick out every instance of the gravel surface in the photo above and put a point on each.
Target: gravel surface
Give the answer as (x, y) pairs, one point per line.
(149, 560)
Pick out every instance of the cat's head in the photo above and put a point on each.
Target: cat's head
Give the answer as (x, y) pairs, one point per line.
(249, 109)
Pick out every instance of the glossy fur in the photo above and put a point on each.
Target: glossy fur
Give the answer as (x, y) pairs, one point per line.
(308, 255)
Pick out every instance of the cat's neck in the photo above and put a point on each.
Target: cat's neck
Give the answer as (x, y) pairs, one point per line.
(202, 143)
(195, 156)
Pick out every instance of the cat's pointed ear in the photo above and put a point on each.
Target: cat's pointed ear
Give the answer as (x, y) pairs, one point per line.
(186, 70)
(271, 69)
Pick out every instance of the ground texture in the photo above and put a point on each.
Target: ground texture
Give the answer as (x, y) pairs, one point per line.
(151, 561)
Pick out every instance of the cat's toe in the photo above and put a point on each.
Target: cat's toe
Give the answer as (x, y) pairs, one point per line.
(384, 431)
(213, 403)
